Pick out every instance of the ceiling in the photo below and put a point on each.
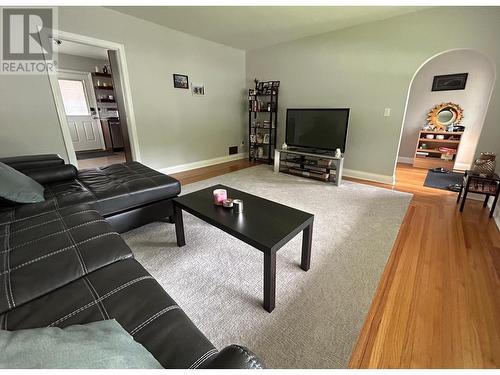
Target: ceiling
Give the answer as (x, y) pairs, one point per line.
(252, 27)
(79, 49)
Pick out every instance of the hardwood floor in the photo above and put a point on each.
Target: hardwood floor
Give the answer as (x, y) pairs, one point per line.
(438, 301)
(118, 157)
(199, 174)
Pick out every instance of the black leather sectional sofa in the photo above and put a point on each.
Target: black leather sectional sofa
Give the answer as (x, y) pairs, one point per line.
(63, 262)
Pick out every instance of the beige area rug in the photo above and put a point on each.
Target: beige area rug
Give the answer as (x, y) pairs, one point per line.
(217, 279)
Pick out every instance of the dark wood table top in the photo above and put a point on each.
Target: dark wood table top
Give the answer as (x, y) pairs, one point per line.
(477, 175)
(264, 224)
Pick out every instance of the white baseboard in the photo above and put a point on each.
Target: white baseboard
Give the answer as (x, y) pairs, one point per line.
(496, 214)
(385, 179)
(476, 197)
(404, 159)
(461, 166)
(202, 163)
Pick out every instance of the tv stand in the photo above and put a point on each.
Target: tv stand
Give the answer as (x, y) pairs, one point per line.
(310, 151)
(324, 167)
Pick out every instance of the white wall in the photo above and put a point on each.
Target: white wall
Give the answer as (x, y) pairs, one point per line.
(473, 100)
(173, 126)
(28, 118)
(80, 63)
(369, 67)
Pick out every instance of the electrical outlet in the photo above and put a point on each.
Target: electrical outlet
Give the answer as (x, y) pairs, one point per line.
(387, 112)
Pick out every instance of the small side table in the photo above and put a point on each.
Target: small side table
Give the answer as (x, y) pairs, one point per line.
(475, 183)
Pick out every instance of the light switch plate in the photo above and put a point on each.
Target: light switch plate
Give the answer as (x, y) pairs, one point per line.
(387, 112)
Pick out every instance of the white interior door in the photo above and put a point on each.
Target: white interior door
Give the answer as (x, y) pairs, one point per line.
(80, 108)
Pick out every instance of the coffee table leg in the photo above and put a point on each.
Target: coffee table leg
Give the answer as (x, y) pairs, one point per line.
(179, 226)
(269, 281)
(305, 263)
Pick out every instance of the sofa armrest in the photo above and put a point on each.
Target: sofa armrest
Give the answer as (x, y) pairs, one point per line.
(28, 162)
(53, 174)
(234, 357)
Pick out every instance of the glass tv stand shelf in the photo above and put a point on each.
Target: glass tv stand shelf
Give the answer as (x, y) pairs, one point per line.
(323, 167)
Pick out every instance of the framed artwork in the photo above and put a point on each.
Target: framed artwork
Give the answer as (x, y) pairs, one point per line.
(268, 88)
(449, 82)
(181, 81)
(198, 89)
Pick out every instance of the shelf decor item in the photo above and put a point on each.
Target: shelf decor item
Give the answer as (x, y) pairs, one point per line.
(227, 203)
(262, 120)
(443, 115)
(485, 165)
(238, 205)
(220, 195)
(181, 81)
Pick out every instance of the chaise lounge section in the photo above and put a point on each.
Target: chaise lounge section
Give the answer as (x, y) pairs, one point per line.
(128, 195)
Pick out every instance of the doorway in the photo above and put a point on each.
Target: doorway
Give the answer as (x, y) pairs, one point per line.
(80, 107)
(92, 99)
(473, 100)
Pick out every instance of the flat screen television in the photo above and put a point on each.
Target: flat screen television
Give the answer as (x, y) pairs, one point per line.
(317, 128)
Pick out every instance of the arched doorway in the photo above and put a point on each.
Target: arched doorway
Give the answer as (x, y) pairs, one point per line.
(474, 100)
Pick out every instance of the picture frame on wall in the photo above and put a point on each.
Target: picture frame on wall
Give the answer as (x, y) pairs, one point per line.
(181, 81)
(450, 82)
(198, 89)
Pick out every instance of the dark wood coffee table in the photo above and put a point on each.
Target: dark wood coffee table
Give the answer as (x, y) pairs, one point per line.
(264, 224)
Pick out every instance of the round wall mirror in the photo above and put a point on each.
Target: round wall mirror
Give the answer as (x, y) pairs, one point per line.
(443, 115)
(446, 117)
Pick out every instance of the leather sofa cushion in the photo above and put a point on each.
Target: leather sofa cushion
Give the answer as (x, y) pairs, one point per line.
(43, 248)
(115, 188)
(27, 162)
(52, 174)
(124, 291)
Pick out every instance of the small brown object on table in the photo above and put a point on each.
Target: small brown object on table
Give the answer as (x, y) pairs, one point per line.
(479, 184)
